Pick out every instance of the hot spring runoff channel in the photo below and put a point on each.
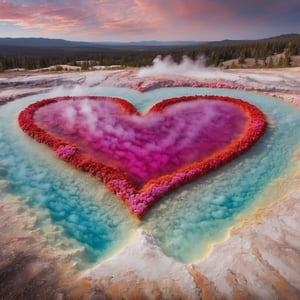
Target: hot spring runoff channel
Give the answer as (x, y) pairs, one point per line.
(73, 207)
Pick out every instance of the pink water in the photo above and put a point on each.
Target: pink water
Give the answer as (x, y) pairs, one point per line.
(149, 146)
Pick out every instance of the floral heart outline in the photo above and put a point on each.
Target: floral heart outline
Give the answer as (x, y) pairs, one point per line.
(140, 200)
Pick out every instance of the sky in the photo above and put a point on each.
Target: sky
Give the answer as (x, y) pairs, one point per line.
(142, 20)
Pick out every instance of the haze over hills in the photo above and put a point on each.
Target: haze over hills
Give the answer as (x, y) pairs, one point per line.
(40, 42)
(46, 42)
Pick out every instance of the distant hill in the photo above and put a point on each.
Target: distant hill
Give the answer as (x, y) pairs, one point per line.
(227, 42)
(166, 43)
(45, 42)
(40, 42)
(280, 38)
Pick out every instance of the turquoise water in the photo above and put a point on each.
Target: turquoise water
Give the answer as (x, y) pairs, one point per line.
(184, 223)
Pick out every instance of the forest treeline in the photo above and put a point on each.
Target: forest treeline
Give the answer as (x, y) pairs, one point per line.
(215, 53)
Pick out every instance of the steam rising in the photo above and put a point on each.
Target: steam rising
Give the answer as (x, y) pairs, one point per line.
(264, 79)
(166, 65)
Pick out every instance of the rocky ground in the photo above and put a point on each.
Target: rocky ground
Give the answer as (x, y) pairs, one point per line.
(259, 260)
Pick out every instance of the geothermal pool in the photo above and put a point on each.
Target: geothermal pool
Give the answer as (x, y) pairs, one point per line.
(76, 213)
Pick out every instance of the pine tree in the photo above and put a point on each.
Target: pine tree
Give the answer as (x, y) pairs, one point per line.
(242, 57)
(85, 65)
(270, 63)
(287, 58)
(280, 62)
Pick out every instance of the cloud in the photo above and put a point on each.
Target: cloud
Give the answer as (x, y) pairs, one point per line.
(155, 19)
(87, 18)
(46, 16)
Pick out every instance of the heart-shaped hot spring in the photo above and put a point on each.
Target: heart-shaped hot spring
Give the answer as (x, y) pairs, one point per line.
(142, 157)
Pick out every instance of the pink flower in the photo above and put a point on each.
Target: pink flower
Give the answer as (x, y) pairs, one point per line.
(65, 152)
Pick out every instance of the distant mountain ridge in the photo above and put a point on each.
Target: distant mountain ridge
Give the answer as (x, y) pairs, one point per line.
(227, 42)
(40, 42)
(46, 42)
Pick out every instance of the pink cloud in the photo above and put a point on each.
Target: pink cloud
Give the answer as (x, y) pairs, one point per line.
(8, 12)
(96, 17)
(147, 19)
(128, 26)
(48, 17)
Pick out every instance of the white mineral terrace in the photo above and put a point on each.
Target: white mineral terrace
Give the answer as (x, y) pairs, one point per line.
(258, 259)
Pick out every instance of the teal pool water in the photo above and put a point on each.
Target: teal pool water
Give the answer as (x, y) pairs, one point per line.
(184, 223)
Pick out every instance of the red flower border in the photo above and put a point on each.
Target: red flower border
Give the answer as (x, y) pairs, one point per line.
(166, 83)
(139, 201)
